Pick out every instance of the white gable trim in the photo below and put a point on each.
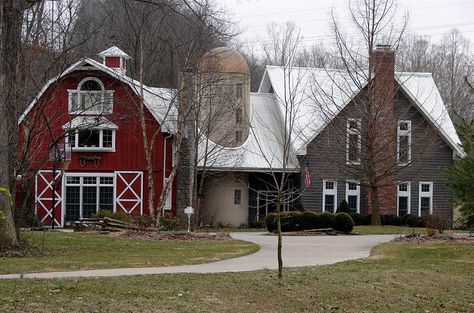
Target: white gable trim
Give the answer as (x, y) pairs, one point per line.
(134, 85)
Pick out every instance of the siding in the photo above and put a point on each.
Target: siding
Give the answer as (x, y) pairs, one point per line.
(326, 159)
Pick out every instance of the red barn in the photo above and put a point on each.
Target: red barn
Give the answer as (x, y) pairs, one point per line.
(89, 120)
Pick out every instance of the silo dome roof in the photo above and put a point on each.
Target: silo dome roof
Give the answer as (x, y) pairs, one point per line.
(223, 60)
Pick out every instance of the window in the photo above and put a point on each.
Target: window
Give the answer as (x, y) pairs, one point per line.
(238, 91)
(237, 196)
(353, 141)
(86, 195)
(404, 142)
(90, 98)
(403, 199)
(425, 199)
(92, 139)
(353, 196)
(329, 196)
(238, 115)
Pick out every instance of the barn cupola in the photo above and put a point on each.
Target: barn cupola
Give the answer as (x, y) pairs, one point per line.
(116, 59)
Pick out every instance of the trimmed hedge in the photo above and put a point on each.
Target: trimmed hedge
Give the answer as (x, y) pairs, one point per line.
(296, 221)
(343, 222)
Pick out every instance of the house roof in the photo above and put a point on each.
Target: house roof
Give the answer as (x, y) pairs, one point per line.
(318, 95)
(114, 52)
(159, 101)
(263, 149)
(88, 122)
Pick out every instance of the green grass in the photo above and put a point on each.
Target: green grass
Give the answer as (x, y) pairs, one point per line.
(397, 278)
(74, 251)
(384, 230)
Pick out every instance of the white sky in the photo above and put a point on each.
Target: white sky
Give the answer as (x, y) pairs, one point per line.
(426, 17)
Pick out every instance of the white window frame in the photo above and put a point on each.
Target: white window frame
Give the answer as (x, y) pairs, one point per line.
(404, 194)
(353, 193)
(425, 194)
(351, 131)
(100, 148)
(81, 184)
(102, 93)
(403, 133)
(329, 192)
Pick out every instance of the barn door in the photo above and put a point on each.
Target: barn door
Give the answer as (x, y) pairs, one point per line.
(129, 191)
(44, 196)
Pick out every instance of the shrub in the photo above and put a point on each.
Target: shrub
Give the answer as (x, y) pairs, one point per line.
(270, 222)
(343, 222)
(326, 220)
(357, 218)
(141, 221)
(390, 219)
(169, 222)
(343, 207)
(309, 220)
(411, 220)
(290, 221)
(297, 206)
(435, 222)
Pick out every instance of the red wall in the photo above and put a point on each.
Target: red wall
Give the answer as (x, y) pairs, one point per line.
(112, 62)
(129, 153)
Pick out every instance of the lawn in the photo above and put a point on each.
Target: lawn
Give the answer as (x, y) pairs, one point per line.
(384, 230)
(398, 277)
(74, 251)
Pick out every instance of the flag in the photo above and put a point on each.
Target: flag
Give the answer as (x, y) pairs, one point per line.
(307, 177)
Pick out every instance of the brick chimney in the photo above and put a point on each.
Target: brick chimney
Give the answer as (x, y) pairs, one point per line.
(383, 90)
(116, 59)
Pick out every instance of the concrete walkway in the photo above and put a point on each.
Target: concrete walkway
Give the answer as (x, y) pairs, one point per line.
(297, 251)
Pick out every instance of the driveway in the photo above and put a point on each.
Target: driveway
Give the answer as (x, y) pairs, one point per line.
(297, 251)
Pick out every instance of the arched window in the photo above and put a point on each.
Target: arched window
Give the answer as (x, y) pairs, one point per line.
(90, 97)
(90, 85)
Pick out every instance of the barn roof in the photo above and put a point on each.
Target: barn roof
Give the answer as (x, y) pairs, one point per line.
(159, 101)
(320, 94)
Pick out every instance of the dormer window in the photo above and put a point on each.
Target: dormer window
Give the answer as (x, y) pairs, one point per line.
(90, 97)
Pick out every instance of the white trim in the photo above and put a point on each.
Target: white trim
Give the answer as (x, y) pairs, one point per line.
(404, 133)
(353, 193)
(100, 148)
(425, 194)
(39, 197)
(138, 199)
(90, 78)
(404, 194)
(329, 192)
(81, 184)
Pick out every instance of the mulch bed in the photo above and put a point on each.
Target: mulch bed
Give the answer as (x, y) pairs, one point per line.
(439, 238)
(168, 235)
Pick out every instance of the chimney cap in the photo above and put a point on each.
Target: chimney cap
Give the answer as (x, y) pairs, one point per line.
(383, 47)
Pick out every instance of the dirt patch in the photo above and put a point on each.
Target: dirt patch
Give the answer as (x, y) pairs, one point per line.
(439, 238)
(163, 235)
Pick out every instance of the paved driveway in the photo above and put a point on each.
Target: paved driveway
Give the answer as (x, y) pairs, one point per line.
(297, 251)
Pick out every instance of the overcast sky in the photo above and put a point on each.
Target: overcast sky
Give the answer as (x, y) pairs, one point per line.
(426, 17)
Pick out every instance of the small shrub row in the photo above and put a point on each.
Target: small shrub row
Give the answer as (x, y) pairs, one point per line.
(297, 221)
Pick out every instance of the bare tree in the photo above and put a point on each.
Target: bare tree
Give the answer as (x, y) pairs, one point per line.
(11, 17)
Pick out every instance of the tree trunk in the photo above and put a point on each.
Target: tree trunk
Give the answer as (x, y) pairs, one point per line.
(279, 244)
(374, 198)
(10, 31)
